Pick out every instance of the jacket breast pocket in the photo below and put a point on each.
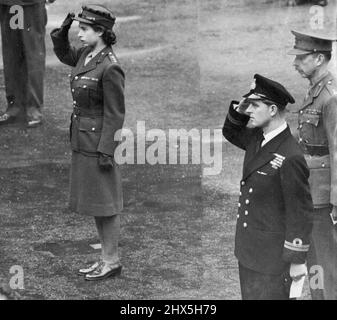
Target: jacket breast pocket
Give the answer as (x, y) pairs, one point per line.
(319, 179)
(87, 92)
(311, 129)
(268, 171)
(89, 133)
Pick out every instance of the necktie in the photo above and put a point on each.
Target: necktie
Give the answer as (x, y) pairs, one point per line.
(258, 143)
(88, 58)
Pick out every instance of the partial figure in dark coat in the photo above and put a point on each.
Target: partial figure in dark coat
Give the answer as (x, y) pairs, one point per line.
(274, 218)
(97, 86)
(24, 57)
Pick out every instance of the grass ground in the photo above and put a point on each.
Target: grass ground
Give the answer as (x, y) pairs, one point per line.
(178, 225)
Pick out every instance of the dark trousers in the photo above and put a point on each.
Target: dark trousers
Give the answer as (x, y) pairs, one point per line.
(322, 256)
(259, 286)
(24, 57)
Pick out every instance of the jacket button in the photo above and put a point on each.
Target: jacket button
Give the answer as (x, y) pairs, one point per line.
(243, 183)
(239, 204)
(245, 225)
(301, 112)
(240, 193)
(84, 86)
(76, 78)
(323, 165)
(301, 126)
(247, 201)
(74, 102)
(93, 129)
(300, 139)
(75, 116)
(72, 90)
(246, 213)
(250, 190)
(238, 216)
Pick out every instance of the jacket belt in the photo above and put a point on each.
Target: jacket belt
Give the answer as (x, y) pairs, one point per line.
(316, 150)
(87, 112)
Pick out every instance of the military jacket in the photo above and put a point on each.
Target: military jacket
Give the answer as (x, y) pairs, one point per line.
(317, 128)
(98, 97)
(274, 219)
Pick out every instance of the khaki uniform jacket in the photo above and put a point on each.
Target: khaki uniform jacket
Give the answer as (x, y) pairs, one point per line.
(98, 97)
(317, 127)
(274, 218)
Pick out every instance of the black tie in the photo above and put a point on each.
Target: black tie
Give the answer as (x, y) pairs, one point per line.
(258, 143)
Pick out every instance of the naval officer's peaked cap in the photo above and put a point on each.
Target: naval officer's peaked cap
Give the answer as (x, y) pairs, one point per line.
(266, 89)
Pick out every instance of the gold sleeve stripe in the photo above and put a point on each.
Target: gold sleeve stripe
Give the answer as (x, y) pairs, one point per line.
(234, 121)
(296, 247)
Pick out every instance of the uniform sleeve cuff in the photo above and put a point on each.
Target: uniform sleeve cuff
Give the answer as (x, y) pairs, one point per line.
(295, 252)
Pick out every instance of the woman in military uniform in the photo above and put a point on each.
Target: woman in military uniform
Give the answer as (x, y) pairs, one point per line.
(97, 86)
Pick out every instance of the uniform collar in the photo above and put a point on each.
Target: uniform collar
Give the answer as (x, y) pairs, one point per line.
(272, 134)
(319, 84)
(315, 90)
(98, 58)
(253, 160)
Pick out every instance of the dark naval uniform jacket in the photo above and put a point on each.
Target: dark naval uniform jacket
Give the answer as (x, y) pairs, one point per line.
(98, 96)
(317, 134)
(274, 217)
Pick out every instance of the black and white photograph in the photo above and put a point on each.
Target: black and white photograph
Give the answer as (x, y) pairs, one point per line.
(167, 150)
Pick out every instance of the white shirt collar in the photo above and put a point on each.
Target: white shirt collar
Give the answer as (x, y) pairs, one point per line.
(272, 134)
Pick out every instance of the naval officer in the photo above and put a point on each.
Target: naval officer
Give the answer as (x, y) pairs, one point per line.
(274, 217)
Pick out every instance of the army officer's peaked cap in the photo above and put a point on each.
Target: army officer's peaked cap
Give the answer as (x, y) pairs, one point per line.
(98, 15)
(266, 89)
(310, 42)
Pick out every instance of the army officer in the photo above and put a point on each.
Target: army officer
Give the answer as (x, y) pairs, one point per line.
(97, 86)
(317, 135)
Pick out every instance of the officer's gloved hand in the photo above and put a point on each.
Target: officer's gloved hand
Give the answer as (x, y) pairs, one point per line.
(105, 162)
(297, 271)
(68, 21)
(242, 106)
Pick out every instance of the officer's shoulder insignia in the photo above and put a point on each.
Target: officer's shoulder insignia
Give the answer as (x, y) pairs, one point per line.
(112, 57)
(331, 86)
(277, 161)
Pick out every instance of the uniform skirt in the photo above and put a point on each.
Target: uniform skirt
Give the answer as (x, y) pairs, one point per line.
(94, 192)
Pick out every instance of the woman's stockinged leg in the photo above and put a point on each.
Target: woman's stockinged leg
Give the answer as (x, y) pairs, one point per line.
(108, 230)
(110, 237)
(99, 227)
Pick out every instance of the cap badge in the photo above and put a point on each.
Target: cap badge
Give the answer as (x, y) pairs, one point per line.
(253, 85)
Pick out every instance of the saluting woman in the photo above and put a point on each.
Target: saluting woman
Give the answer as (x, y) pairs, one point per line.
(97, 86)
